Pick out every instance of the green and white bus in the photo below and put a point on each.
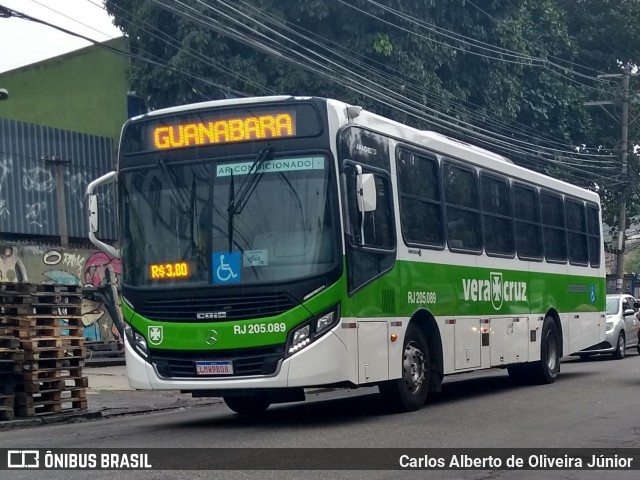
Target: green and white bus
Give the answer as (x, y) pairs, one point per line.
(279, 243)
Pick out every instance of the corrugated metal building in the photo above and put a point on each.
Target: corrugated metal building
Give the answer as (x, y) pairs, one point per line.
(44, 173)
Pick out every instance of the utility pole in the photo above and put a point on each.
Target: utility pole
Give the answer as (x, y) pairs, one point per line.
(624, 177)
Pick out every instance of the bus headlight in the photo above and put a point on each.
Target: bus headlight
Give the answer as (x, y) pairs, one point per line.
(136, 340)
(308, 332)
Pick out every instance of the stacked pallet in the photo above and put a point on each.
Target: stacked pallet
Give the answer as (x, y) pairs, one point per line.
(11, 355)
(47, 321)
(10, 366)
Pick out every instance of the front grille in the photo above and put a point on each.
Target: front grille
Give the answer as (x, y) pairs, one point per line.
(233, 307)
(252, 361)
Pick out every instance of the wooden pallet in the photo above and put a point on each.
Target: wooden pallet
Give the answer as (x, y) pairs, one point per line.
(39, 343)
(9, 343)
(43, 375)
(41, 350)
(61, 384)
(58, 288)
(51, 407)
(8, 289)
(6, 413)
(55, 352)
(28, 310)
(56, 299)
(48, 363)
(8, 367)
(7, 385)
(31, 321)
(24, 299)
(11, 355)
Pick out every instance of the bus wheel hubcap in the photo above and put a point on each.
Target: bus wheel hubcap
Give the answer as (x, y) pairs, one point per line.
(413, 367)
(552, 353)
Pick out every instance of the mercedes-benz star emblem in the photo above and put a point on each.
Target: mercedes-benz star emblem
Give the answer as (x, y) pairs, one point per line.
(211, 337)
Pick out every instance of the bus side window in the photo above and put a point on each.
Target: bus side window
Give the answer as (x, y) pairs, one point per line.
(553, 224)
(497, 213)
(577, 232)
(593, 229)
(464, 230)
(528, 227)
(420, 206)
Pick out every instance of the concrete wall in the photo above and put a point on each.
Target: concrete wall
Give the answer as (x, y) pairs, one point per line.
(70, 266)
(82, 91)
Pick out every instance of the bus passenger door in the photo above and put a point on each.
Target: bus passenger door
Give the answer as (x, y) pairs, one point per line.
(467, 343)
(509, 340)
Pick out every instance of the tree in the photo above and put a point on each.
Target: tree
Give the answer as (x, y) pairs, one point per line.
(605, 33)
(499, 74)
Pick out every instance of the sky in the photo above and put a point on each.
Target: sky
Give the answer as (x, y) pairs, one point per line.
(23, 42)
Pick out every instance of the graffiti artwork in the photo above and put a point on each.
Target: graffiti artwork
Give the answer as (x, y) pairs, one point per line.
(11, 267)
(71, 266)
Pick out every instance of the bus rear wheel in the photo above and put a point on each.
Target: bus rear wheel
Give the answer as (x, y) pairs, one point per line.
(409, 392)
(250, 404)
(548, 368)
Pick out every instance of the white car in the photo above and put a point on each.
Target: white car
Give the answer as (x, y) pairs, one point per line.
(622, 328)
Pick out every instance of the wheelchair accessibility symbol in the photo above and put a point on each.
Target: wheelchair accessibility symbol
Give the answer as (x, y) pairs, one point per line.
(226, 267)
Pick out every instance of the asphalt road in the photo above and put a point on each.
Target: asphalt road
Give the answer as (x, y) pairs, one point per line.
(593, 404)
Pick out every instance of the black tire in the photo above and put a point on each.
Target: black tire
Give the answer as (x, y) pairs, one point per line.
(546, 370)
(638, 348)
(621, 348)
(408, 394)
(250, 404)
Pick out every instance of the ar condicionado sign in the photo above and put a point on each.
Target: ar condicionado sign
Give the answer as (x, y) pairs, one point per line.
(231, 130)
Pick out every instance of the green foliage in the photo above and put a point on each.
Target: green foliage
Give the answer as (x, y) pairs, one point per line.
(576, 34)
(632, 259)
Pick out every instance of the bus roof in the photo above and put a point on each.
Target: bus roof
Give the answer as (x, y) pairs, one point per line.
(457, 149)
(421, 138)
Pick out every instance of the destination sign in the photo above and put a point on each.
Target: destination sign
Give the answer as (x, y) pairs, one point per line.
(272, 125)
(212, 126)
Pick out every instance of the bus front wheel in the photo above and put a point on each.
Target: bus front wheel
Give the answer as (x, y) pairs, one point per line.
(250, 404)
(409, 392)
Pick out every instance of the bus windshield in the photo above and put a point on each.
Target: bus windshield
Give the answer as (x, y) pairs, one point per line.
(179, 226)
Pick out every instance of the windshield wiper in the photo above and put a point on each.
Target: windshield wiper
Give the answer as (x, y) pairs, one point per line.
(238, 201)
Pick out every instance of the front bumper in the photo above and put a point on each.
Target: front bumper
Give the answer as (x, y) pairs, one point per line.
(326, 361)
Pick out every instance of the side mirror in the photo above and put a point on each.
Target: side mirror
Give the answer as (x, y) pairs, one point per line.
(636, 305)
(367, 194)
(629, 311)
(93, 213)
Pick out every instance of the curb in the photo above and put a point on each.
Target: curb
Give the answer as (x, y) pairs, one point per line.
(73, 417)
(48, 420)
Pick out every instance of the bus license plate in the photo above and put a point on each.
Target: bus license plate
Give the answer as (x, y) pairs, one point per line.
(215, 368)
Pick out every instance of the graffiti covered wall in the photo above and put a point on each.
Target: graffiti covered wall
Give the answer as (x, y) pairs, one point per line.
(70, 266)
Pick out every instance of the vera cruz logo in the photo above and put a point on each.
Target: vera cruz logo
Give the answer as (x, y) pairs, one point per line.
(494, 290)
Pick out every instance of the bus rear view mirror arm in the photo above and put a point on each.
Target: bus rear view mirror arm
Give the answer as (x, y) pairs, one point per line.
(94, 221)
